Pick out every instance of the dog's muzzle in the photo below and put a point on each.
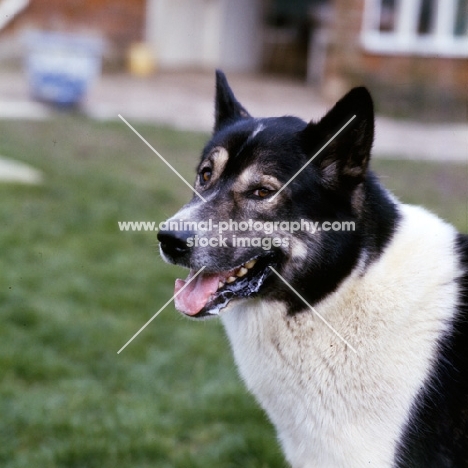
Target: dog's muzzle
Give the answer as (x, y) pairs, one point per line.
(175, 246)
(205, 293)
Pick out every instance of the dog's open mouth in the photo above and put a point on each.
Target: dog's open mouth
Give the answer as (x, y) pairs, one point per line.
(208, 293)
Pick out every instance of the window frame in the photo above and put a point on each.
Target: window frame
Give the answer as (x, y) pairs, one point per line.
(405, 40)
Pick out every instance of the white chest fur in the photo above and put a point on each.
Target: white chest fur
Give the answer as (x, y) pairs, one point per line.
(332, 407)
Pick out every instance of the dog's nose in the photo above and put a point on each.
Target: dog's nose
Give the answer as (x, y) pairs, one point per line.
(175, 243)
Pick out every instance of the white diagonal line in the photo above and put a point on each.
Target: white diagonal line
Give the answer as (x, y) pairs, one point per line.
(160, 310)
(162, 159)
(312, 309)
(312, 158)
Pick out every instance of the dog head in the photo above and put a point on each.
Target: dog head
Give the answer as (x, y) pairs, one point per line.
(255, 178)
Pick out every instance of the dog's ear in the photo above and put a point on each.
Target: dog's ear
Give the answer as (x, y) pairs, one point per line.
(227, 108)
(345, 159)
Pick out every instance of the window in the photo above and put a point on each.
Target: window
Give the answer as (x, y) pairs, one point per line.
(387, 15)
(422, 27)
(461, 19)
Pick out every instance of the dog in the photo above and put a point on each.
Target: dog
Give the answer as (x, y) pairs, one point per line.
(354, 341)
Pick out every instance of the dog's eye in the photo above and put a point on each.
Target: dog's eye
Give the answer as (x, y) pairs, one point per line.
(262, 192)
(205, 175)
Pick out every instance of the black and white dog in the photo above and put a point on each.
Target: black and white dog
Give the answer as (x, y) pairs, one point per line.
(354, 341)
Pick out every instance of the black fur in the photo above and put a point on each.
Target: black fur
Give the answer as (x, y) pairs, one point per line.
(437, 432)
(227, 108)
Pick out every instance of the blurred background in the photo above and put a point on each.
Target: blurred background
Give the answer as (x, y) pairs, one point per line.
(412, 53)
(74, 288)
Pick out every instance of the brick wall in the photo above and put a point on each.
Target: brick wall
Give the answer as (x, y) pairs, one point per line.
(431, 88)
(120, 22)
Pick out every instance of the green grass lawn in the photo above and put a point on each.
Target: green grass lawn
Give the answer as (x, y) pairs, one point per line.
(73, 290)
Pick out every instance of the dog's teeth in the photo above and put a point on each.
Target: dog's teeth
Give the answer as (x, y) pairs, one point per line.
(220, 285)
(242, 272)
(250, 264)
(231, 279)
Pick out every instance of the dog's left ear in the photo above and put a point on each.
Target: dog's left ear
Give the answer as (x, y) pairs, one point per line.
(227, 108)
(345, 160)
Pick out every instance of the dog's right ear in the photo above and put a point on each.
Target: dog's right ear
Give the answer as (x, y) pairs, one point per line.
(227, 108)
(349, 129)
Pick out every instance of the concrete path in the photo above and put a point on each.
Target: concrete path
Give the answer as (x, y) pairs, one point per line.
(185, 100)
(412, 140)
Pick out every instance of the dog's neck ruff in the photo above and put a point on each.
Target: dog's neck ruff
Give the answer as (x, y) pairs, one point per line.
(332, 407)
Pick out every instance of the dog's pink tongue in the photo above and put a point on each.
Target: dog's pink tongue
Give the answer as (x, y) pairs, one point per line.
(195, 296)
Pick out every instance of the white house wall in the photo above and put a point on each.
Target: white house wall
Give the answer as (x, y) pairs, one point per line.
(241, 35)
(205, 33)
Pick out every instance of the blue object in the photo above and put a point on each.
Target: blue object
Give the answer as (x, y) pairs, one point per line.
(61, 67)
